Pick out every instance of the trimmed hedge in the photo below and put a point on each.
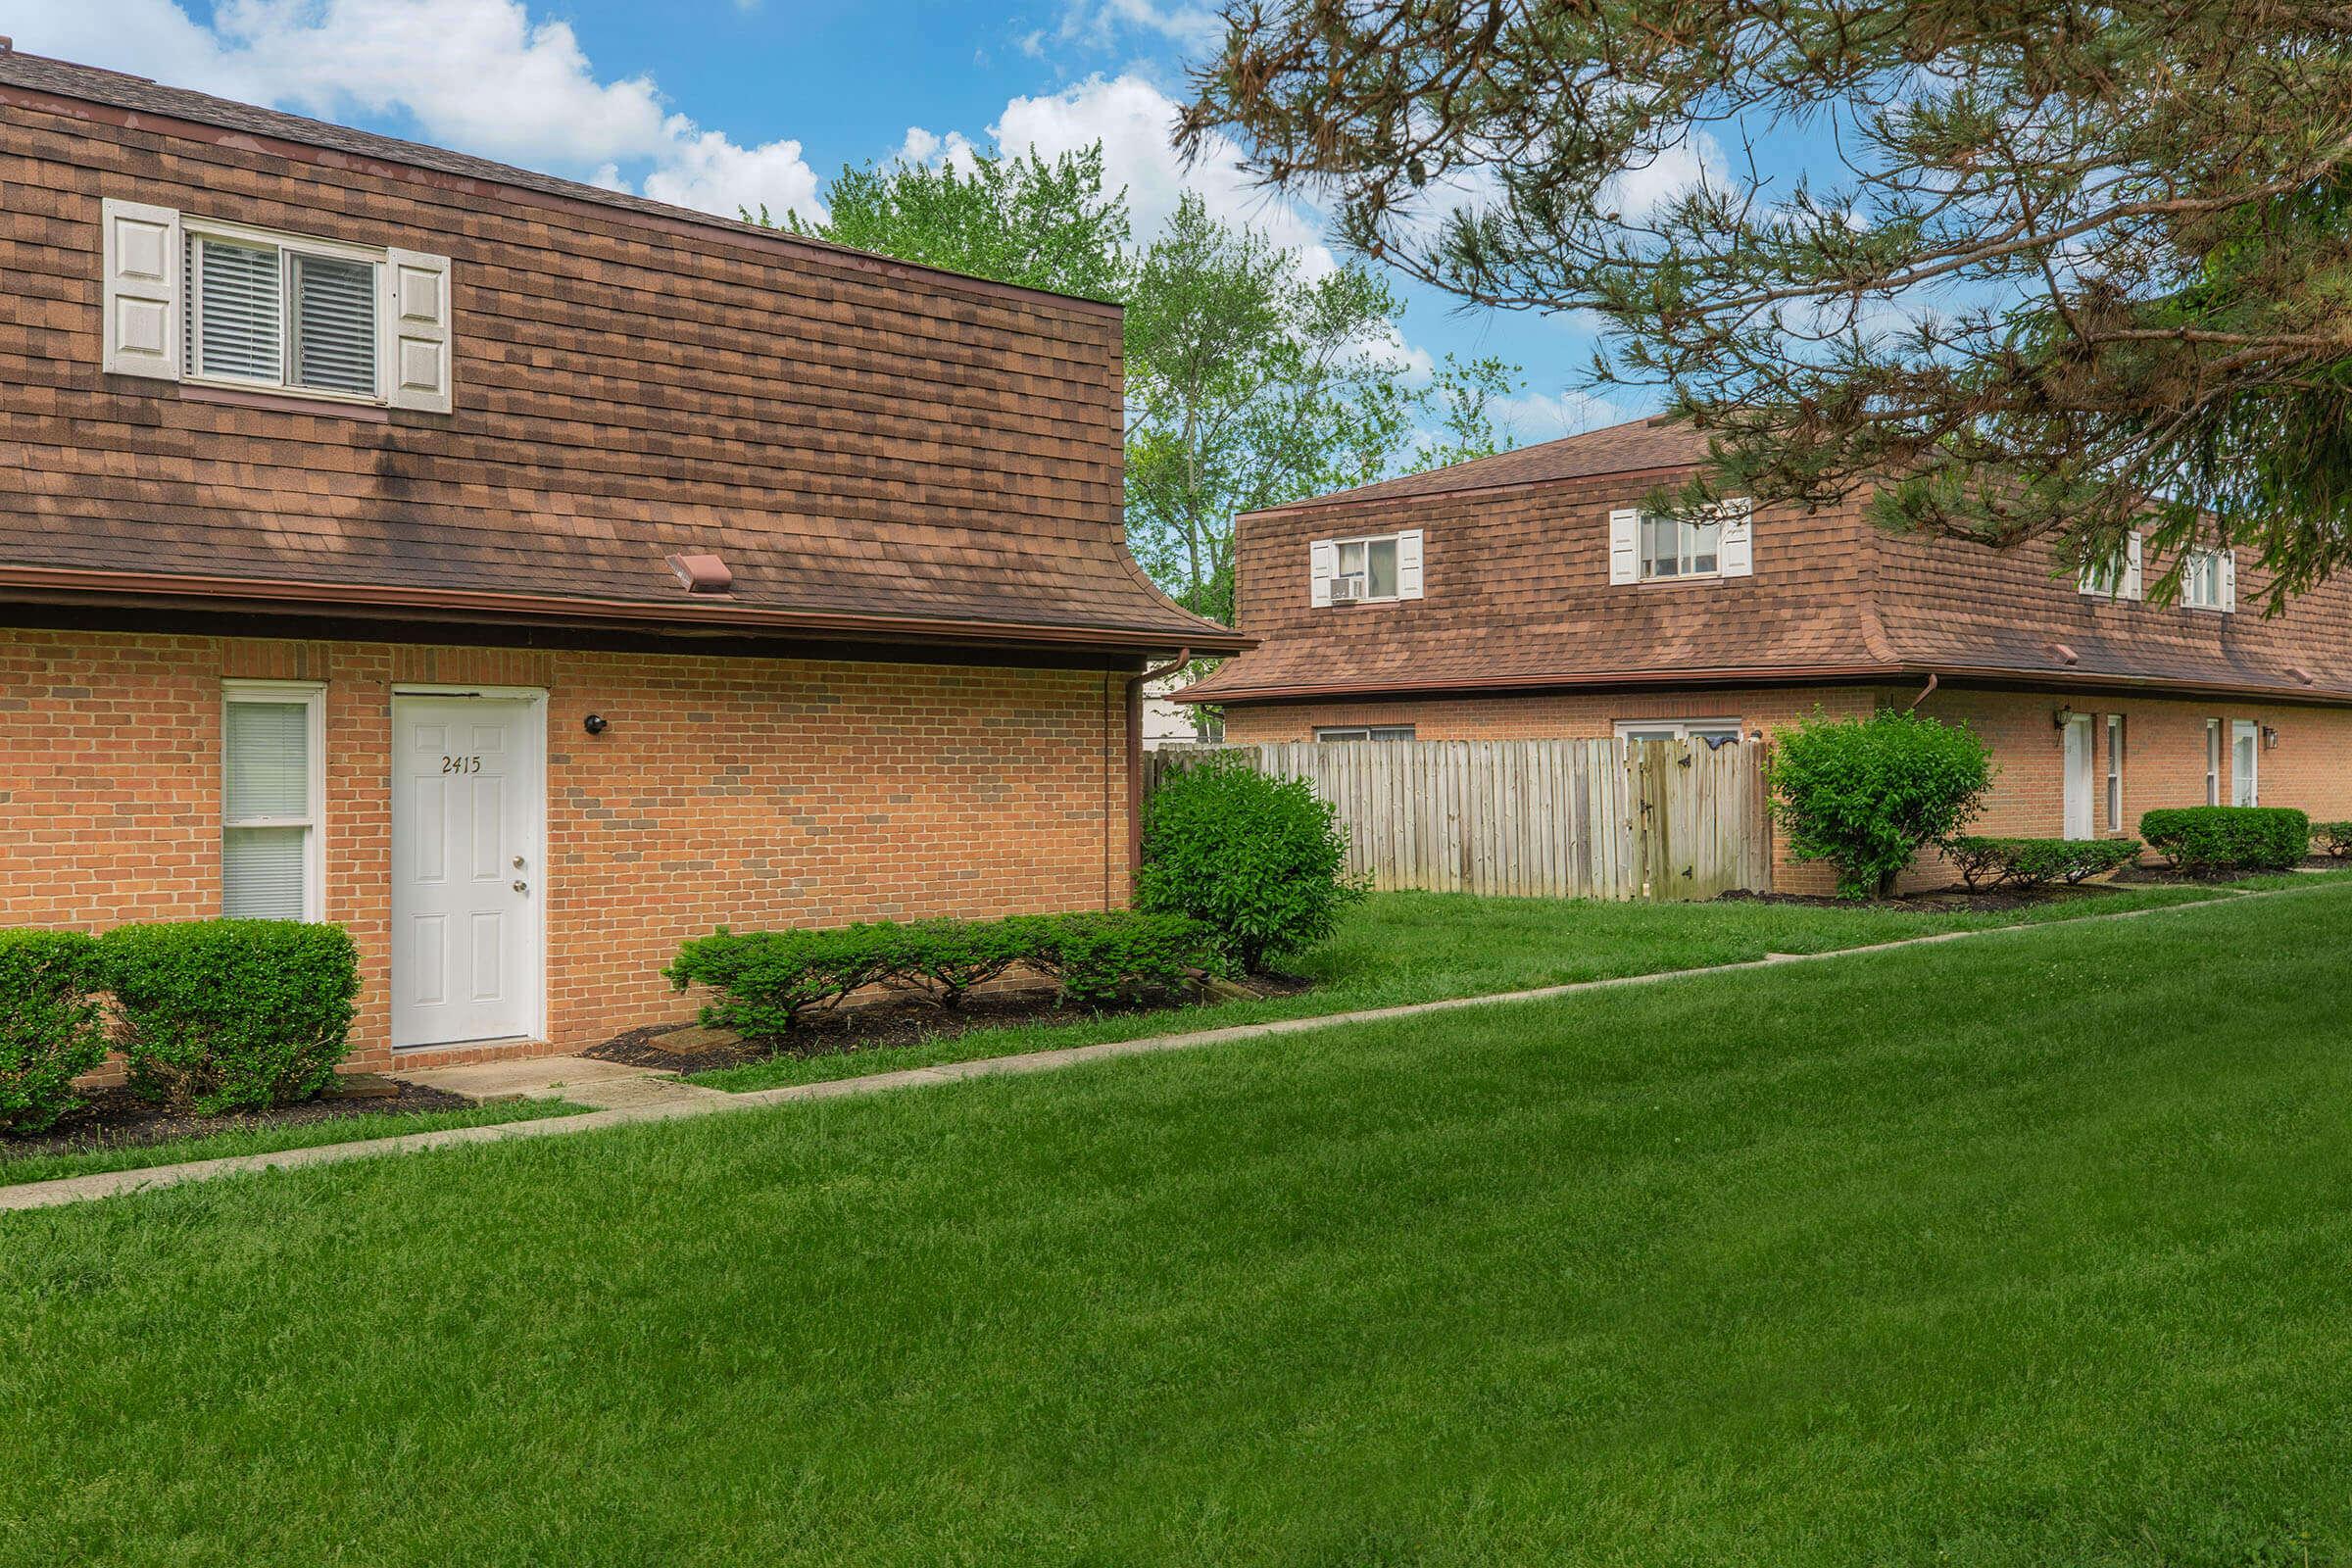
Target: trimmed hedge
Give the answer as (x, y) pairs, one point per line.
(1262, 862)
(769, 982)
(52, 1029)
(2230, 838)
(2333, 836)
(224, 1014)
(2033, 862)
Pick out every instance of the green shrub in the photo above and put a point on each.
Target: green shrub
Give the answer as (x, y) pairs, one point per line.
(770, 982)
(2033, 862)
(51, 1027)
(223, 1014)
(1261, 862)
(1101, 957)
(2333, 836)
(767, 981)
(1866, 794)
(2230, 838)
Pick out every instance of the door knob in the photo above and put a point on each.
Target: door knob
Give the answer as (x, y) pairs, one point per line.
(519, 863)
(521, 886)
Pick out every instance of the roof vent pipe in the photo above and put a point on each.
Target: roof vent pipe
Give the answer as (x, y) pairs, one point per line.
(703, 574)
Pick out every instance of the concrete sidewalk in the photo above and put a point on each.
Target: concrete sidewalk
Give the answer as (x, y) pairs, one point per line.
(626, 1096)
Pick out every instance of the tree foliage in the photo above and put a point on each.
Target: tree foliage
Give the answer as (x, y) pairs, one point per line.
(1014, 217)
(2043, 265)
(1249, 381)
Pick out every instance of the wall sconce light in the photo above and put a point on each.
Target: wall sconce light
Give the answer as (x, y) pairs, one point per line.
(595, 724)
(2269, 739)
(2064, 716)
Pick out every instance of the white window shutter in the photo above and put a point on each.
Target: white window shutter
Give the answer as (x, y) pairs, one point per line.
(1735, 550)
(2229, 570)
(1320, 559)
(1625, 545)
(141, 290)
(2132, 580)
(1408, 564)
(415, 321)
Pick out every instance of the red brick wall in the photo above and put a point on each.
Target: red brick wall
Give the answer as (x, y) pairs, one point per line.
(753, 792)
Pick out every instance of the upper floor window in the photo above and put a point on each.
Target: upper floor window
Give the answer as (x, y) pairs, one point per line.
(1647, 547)
(1368, 569)
(2208, 580)
(280, 315)
(2118, 576)
(201, 299)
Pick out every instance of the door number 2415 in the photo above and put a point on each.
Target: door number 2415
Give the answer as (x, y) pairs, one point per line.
(462, 765)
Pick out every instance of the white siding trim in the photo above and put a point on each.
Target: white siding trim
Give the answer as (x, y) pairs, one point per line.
(1408, 564)
(414, 322)
(1625, 546)
(1735, 550)
(140, 296)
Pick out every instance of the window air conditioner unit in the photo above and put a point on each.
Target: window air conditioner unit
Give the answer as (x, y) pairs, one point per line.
(1347, 590)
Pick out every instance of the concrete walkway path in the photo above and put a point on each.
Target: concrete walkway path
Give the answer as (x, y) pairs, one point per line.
(627, 1096)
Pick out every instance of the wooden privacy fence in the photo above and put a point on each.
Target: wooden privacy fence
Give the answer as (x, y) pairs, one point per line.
(1596, 818)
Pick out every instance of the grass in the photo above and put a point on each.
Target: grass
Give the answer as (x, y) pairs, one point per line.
(2017, 1252)
(15, 1169)
(1399, 948)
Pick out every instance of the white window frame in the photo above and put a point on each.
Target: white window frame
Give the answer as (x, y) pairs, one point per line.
(1629, 728)
(2215, 750)
(2118, 577)
(1685, 528)
(313, 696)
(2206, 580)
(1394, 542)
(195, 231)
(2114, 783)
(1344, 733)
(2245, 729)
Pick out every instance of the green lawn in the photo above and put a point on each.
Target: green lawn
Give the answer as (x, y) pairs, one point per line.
(15, 1169)
(1401, 948)
(2029, 1249)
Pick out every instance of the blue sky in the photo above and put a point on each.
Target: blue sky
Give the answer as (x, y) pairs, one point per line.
(720, 103)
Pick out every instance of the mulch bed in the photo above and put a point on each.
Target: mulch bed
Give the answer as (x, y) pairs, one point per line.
(116, 1118)
(691, 1049)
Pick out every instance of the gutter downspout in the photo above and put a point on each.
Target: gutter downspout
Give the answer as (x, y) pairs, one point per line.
(1135, 754)
(1924, 692)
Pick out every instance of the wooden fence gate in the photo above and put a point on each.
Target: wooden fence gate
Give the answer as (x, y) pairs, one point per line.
(1591, 818)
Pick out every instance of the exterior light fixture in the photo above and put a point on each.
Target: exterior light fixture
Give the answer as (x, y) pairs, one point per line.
(594, 724)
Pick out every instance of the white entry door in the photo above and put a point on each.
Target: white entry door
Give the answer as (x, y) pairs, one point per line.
(2078, 776)
(465, 830)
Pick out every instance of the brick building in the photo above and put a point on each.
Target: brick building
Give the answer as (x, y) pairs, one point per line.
(1528, 595)
(528, 576)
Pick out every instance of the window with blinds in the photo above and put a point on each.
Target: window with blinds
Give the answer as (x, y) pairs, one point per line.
(278, 316)
(270, 804)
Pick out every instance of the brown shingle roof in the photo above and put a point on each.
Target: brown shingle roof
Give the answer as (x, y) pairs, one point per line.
(868, 446)
(1642, 444)
(1516, 553)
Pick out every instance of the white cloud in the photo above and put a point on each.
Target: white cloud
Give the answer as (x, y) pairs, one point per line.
(1533, 416)
(1133, 120)
(1640, 191)
(1100, 23)
(479, 76)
